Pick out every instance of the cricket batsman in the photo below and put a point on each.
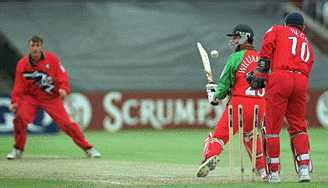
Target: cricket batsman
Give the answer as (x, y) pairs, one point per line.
(233, 82)
(42, 82)
(286, 60)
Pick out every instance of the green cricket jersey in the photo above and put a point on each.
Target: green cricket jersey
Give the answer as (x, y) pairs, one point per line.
(236, 67)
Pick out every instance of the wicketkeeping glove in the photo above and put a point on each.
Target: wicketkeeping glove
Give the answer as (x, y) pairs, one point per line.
(254, 82)
(210, 89)
(258, 83)
(250, 76)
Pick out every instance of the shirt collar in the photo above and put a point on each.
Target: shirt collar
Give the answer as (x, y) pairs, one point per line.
(31, 61)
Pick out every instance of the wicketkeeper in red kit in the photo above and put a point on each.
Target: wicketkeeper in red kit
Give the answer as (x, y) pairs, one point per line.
(233, 82)
(286, 59)
(42, 82)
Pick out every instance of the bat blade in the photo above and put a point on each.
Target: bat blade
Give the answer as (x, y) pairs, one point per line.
(206, 62)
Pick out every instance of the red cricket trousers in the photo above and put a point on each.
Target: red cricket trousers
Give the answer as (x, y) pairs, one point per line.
(26, 112)
(286, 96)
(222, 131)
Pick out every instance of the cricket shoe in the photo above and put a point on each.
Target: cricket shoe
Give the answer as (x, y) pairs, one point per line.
(92, 153)
(262, 174)
(14, 154)
(207, 166)
(304, 174)
(273, 177)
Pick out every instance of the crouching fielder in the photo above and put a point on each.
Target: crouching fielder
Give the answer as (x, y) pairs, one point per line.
(42, 82)
(233, 82)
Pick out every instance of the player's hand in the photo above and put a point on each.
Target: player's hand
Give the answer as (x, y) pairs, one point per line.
(254, 82)
(212, 99)
(210, 89)
(13, 107)
(62, 93)
(250, 76)
(258, 83)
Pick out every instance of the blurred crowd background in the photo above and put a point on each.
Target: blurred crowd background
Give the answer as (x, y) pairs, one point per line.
(141, 44)
(316, 9)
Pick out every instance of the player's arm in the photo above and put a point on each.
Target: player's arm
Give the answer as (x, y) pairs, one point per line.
(18, 88)
(217, 92)
(258, 78)
(268, 43)
(227, 77)
(62, 79)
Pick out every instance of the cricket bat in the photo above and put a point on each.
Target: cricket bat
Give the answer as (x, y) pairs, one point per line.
(206, 62)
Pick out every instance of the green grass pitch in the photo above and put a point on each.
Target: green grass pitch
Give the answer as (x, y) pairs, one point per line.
(146, 158)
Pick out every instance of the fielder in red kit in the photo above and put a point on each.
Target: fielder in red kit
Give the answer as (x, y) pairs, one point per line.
(288, 55)
(42, 82)
(232, 82)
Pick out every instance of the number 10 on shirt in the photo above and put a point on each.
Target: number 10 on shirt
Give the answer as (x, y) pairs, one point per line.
(305, 52)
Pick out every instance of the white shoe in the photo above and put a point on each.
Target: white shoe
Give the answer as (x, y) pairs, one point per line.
(14, 154)
(93, 153)
(304, 174)
(262, 174)
(207, 166)
(273, 177)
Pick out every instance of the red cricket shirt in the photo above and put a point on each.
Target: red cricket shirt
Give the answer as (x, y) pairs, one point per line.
(288, 49)
(41, 80)
(241, 86)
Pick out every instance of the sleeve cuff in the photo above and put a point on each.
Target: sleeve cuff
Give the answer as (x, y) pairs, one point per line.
(66, 89)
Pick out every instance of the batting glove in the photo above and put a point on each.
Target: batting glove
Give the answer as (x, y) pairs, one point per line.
(210, 89)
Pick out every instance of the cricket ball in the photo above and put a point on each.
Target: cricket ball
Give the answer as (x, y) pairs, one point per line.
(214, 54)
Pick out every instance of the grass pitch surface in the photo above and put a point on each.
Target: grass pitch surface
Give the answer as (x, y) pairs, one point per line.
(143, 159)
